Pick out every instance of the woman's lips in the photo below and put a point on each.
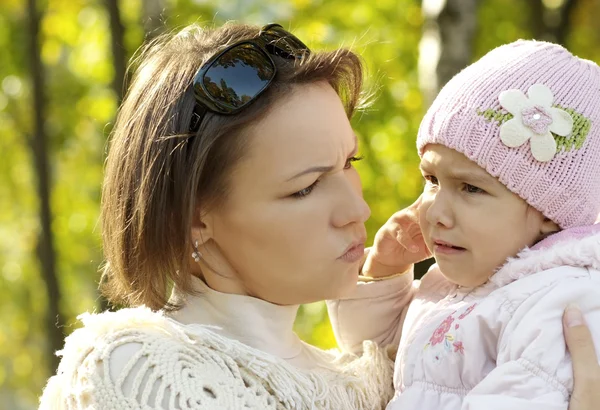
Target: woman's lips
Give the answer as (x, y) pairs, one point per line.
(354, 253)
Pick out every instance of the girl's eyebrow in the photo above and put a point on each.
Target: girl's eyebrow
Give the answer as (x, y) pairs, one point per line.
(478, 176)
(424, 165)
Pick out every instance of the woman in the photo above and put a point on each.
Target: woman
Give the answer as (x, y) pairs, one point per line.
(230, 180)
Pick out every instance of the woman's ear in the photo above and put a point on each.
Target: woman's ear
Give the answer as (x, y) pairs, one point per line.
(202, 227)
(549, 227)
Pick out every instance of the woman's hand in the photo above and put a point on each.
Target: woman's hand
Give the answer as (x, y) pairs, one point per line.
(586, 392)
(398, 244)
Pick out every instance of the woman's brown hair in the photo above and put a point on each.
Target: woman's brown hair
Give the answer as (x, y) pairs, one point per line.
(158, 174)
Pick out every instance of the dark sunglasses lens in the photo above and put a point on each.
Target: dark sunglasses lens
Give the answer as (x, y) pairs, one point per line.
(284, 44)
(238, 76)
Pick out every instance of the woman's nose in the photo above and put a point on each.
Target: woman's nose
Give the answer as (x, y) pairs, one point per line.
(352, 207)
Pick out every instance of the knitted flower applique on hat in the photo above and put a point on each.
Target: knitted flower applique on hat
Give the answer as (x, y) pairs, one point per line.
(534, 119)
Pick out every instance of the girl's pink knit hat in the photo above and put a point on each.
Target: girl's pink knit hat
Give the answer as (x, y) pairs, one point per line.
(529, 114)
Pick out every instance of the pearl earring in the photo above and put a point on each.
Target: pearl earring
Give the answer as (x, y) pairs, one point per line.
(196, 254)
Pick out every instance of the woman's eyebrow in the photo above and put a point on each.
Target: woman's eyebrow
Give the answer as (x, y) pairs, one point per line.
(355, 149)
(324, 168)
(320, 169)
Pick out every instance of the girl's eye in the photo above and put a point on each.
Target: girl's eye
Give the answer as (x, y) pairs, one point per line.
(431, 180)
(472, 189)
(306, 191)
(350, 160)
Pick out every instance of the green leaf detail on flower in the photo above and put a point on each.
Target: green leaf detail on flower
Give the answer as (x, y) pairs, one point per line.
(581, 127)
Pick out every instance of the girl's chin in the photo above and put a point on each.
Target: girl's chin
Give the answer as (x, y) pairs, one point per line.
(461, 280)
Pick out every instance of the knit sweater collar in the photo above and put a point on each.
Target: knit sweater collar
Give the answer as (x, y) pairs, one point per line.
(254, 322)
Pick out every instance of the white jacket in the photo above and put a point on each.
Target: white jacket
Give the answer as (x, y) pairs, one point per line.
(497, 346)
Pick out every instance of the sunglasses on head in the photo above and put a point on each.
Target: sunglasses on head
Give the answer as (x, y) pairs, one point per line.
(233, 78)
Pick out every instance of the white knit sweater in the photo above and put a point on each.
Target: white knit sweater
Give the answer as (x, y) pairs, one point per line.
(219, 352)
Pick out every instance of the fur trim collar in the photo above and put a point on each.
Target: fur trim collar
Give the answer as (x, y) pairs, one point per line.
(577, 247)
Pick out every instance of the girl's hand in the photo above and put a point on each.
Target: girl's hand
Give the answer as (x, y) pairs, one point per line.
(398, 244)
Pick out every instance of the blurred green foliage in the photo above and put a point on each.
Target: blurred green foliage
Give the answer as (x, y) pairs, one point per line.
(76, 54)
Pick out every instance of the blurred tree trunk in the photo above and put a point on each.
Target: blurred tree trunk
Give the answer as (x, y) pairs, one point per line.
(39, 149)
(152, 17)
(447, 44)
(117, 31)
(552, 24)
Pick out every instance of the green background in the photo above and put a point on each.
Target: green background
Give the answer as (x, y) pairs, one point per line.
(78, 69)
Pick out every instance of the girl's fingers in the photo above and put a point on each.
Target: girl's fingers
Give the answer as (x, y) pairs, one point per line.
(407, 241)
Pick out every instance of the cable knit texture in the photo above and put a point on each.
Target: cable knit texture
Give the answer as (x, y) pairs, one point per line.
(468, 117)
(192, 367)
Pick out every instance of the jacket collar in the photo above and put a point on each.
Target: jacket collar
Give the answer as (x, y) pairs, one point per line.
(577, 247)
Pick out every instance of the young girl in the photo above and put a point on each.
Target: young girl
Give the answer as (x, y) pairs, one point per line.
(510, 151)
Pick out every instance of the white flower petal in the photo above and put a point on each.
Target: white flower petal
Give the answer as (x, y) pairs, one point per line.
(514, 134)
(513, 101)
(562, 122)
(539, 94)
(543, 147)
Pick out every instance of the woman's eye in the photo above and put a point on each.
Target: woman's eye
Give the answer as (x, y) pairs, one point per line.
(350, 160)
(472, 189)
(306, 191)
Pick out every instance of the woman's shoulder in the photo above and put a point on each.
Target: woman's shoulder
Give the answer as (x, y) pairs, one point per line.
(106, 335)
(137, 358)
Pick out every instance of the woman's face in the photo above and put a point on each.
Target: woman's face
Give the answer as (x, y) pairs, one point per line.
(292, 227)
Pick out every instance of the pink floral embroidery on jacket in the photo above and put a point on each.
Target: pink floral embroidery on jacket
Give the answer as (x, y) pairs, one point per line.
(466, 312)
(440, 333)
(458, 347)
(443, 335)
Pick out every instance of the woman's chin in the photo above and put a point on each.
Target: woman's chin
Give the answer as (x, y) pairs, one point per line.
(344, 289)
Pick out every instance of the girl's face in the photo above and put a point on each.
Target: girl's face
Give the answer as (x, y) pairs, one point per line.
(470, 221)
(292, 228)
